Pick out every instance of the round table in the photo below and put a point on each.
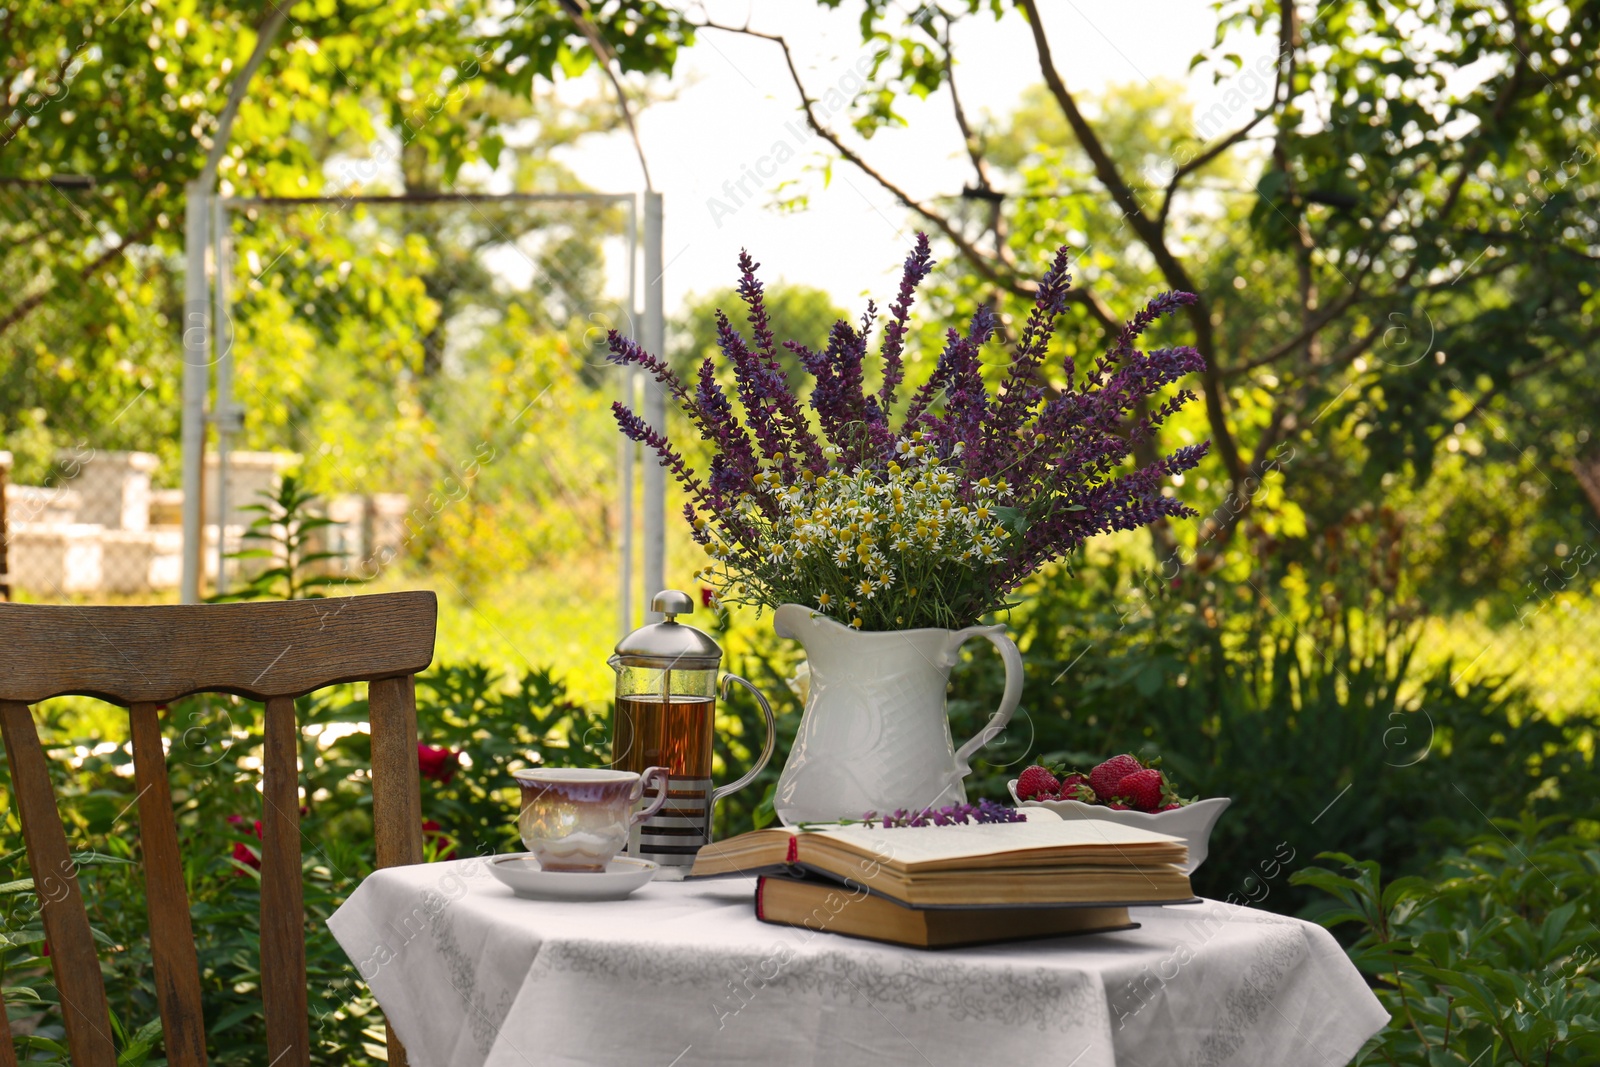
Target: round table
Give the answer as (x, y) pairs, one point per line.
(682, 973)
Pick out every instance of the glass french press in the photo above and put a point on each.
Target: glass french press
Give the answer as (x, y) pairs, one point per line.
(665, 713)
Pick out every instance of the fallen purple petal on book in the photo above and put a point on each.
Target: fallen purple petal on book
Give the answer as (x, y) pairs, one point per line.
(984, 811)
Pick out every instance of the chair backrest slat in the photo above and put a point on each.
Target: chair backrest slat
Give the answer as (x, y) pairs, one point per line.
(171, 935)
(258, 650)
(283, 916)
(55, 880)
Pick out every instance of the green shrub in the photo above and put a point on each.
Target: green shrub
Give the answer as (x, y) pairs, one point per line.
(1306, 712)
(1492, 958)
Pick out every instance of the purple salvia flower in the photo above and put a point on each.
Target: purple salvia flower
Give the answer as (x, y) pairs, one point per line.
(756, 389)
(721, 427)
(1021, 391)
(636, 429)
(852, 388)
(837, 398)
(693, 518)
(751, 291)
(775, 386)
(931, 390)
(967, 402)
(624, 351)
(1162, 305)
(1065, 462)
(917, 266)
(985, 811)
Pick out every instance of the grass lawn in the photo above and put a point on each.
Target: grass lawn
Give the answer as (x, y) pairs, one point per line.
(1552, 653)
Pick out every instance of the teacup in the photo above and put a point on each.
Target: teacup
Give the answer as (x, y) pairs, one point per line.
(577, 820)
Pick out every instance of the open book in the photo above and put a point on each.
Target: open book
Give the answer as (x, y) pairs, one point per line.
(1046, 860)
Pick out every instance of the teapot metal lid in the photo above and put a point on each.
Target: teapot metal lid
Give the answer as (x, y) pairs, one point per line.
(669, 644)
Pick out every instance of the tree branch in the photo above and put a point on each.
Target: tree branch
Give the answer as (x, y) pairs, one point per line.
(983, 264)
(26, 306)
(1194, 164)
(1587, 472)
(980, 165)
(1307, 330)
(10, 133)
(578, 9)
(1150, 236)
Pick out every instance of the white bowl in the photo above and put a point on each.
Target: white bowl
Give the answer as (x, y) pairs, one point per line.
(522, 873)
(1192, 822)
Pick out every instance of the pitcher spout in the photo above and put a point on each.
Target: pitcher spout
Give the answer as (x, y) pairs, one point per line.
(793, 621)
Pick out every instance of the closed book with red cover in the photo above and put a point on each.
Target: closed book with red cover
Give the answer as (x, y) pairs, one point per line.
(827, 906)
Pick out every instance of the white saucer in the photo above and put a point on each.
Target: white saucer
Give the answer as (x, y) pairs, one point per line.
(522, 873)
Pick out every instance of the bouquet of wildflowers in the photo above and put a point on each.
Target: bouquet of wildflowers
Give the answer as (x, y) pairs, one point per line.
(931, 516)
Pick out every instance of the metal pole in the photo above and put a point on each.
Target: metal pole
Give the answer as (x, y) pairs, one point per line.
(625, 447)
(196, 324)
(225, 412)
(655, 408)
(196, 359)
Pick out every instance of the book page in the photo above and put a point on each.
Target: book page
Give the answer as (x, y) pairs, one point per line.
(911, 845)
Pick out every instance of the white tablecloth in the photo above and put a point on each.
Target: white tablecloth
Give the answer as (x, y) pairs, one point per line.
(683, 974)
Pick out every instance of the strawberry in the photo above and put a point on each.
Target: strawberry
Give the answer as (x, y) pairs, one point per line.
(1170, 807)
(1034, 782)
(1075, 786)
(1142, 789)
(1106, 777)
(1117, 805)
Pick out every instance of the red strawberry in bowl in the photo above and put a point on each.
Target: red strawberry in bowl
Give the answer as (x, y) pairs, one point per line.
(1035, 782)
(1106, 777)
(1075, 786)
(1142, 789)
(1123, 790)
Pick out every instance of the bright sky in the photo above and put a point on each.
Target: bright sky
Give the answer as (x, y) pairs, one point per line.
(735, 109)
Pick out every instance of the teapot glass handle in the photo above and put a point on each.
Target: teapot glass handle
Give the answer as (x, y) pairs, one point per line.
(728, 681)
(1008, 701)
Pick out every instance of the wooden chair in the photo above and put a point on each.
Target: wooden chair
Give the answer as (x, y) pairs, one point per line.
(143, 657)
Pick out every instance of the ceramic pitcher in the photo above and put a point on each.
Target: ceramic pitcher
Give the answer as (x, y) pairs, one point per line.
(874, 736)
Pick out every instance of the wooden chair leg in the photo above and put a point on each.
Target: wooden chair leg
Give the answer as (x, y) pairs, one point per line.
(8, 1051)
(397, 1051)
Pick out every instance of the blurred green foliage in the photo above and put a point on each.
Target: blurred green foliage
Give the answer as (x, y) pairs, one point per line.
(108, 113)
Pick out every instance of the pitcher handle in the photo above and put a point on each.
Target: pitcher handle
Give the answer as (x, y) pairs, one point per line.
(1008, 701)
(728, 681)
